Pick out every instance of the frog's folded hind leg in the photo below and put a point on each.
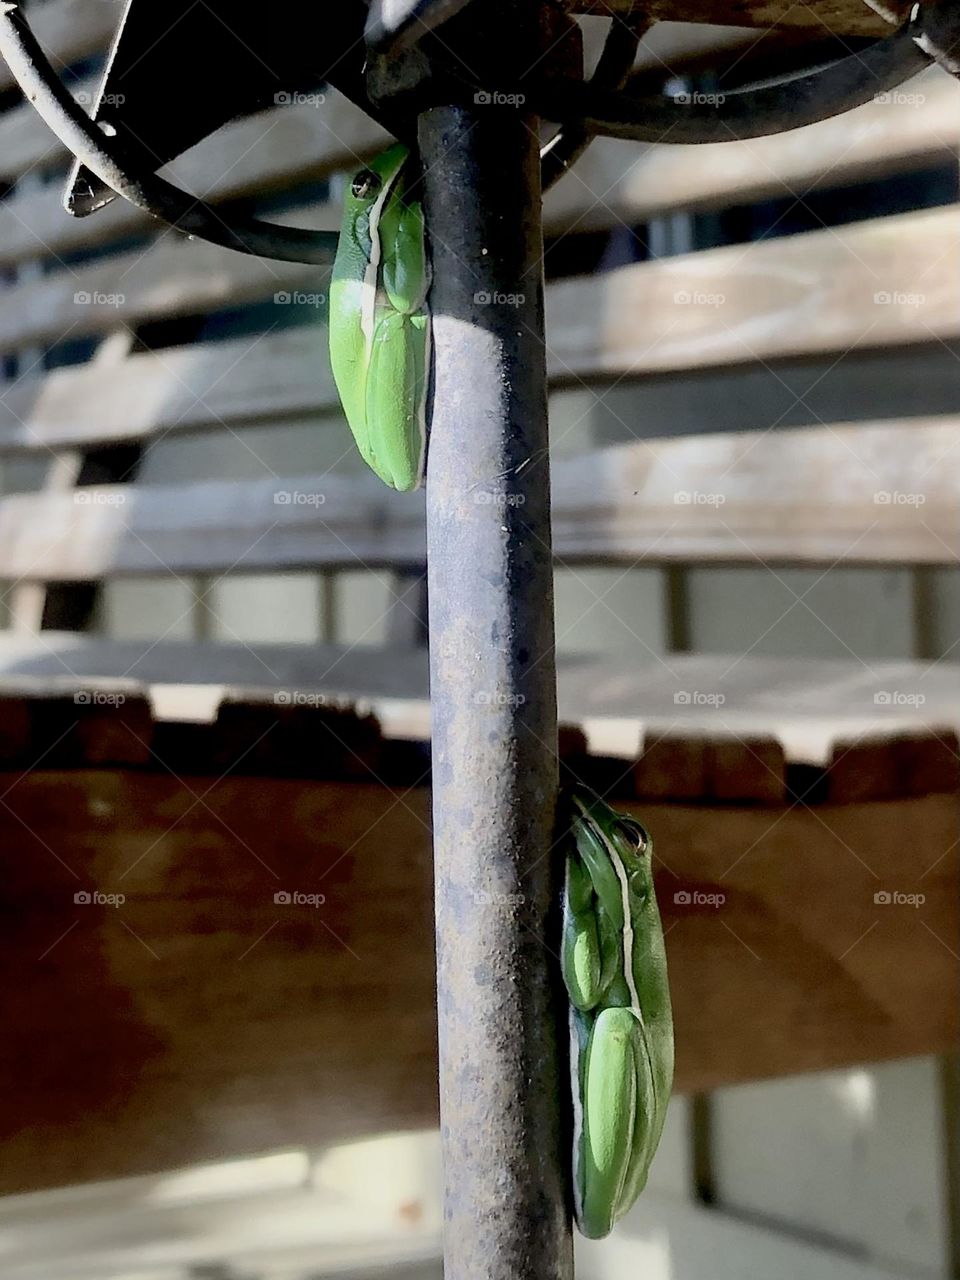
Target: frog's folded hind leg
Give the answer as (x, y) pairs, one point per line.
(609, 1119)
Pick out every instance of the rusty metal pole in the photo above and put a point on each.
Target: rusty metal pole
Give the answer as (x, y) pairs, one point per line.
(503, 1085)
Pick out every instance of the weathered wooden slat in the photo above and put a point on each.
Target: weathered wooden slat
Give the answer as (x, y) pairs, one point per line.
(250, 525)
(181, 388)
(622, 182)
(283, 375)
(880, 282)
(876, 283)
(171, 277)
(866, 493)
(613, 182)
(249, 1022)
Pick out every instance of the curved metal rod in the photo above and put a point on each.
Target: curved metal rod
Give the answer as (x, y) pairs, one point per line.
(583, 110)
(614, 65)
(747, 113)
(86, 139)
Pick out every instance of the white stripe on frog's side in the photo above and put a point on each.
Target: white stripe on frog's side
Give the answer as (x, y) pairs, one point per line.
(627, 939)
(368, 286)
(628, 974)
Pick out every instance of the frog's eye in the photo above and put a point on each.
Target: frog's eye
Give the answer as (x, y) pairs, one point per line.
(365, 183)
(634, 834)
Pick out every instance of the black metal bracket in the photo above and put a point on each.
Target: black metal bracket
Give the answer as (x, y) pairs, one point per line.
(390, 61)
(229, 62)
(114, 164)
(745, 113)
(599, 108)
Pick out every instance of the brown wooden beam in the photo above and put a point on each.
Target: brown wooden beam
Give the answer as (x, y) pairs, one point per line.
(203, 1018)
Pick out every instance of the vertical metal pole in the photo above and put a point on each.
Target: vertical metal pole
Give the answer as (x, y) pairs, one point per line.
(502, 1080)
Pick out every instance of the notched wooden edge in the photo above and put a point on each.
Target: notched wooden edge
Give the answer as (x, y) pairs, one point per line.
(104, 727)
(894, 767)
(754, 771)
(309, 735)
(722, 770)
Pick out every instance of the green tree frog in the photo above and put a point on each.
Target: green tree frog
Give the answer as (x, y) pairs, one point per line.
(621, 1027)
(379, 323)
